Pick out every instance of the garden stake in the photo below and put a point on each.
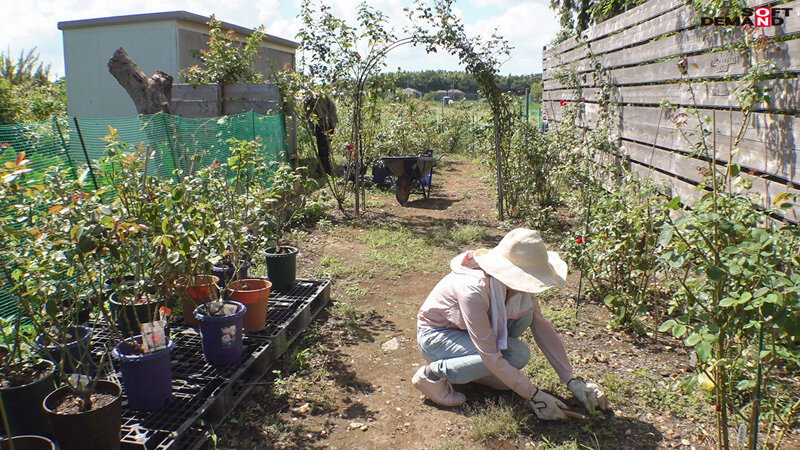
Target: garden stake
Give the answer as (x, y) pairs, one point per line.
(585, 233)
(757, 396)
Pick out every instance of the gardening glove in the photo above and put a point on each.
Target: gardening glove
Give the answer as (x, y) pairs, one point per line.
(589, 394)
(547, 407)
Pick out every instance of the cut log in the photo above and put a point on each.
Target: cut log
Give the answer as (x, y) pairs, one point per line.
(150, 95)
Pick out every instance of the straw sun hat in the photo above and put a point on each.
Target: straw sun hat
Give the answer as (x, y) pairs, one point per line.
(521, 262)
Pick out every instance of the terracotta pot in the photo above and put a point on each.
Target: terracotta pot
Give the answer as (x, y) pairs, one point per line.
(202, 290)
(252, 293)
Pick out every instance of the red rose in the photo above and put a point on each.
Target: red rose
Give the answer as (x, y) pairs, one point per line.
(563, 103)
(348, 146)
(579, 240)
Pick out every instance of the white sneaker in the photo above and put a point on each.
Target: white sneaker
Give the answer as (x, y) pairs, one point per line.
(440, 391)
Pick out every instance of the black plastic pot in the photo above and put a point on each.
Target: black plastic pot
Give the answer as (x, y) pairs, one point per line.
(23, 406)
(80, 359)
(98, 429)
(27, 443)
(281, 267)
(225, 274)
(128, 316)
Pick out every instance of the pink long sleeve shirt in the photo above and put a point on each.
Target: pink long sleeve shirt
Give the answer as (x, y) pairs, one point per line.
(461, 300)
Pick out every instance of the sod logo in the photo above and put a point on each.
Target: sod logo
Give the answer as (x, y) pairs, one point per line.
(754, 17)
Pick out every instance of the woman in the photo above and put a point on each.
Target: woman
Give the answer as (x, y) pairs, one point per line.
(467, 328)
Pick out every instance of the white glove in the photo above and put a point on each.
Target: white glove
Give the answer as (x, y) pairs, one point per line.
(547, 407)
(589, 394)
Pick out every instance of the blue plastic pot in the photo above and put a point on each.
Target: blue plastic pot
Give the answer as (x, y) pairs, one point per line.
(80, 355)
(146, 378)
(221, 335)
(226, 274)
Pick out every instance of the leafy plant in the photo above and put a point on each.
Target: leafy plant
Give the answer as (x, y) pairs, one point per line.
(226, 60)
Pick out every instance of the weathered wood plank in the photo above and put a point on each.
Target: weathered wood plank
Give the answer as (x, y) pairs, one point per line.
(260, 107)
(769, 143)
(261, 91)
(673, 186)
(196, 109)
(565, 45)
(762, 190)
(204, 92)
(631, 17)
(695, 40)
(719, 94)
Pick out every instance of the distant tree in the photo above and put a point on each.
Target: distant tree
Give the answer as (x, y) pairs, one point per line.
(26, 92)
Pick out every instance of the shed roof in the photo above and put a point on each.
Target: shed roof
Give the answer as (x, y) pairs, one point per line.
(165, 16)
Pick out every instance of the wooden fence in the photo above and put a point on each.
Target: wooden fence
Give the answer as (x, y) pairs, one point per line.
(211, 100)
(659, 50)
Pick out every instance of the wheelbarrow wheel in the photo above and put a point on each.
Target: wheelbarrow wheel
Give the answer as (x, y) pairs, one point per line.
(402, 189)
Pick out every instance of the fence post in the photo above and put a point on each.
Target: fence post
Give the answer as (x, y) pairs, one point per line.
(64, 146)
(171, 145)
(253, 116)
(85, 153)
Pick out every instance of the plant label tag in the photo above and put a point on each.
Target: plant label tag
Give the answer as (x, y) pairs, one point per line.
(227, 335)
(153, 336)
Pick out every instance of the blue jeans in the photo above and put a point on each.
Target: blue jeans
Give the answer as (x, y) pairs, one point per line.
(452, 354)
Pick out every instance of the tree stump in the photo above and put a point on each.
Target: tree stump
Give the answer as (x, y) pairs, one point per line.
(150, 95)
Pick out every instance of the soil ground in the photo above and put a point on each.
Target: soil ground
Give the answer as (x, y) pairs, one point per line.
(347, 382)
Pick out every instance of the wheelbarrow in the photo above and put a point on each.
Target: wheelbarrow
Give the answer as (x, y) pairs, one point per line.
(413, 173)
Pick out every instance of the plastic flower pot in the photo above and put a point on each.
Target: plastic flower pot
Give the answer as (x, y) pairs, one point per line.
(146, 377)
(95, 429)
(79, 359)
(281, 267)
(28, 442)
(123, 284)
(129, 315)
(252, 293)
(203, 289)
(226, 274)
(23, 404)
(220, 332)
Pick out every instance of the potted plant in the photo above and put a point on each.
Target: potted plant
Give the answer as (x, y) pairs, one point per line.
(233, 188)
(284, 201)
(253, 293)
(221, 331)
(25, 380)
(42, 244)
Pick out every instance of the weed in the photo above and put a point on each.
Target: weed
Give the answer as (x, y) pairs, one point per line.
(497, 419)
(445, 234)
(348, 314)
(333, 268)
(399, 249)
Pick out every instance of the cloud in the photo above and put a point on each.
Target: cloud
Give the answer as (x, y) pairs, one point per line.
(528, 25)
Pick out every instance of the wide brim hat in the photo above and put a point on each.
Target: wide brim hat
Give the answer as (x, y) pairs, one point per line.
(521, 262)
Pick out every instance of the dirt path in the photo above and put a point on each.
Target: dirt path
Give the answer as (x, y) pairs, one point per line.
(347, 384)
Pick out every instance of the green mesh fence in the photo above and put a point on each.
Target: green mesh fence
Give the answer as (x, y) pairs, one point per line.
(78, 143)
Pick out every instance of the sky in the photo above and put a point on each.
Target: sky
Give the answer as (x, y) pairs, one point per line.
(527, 25)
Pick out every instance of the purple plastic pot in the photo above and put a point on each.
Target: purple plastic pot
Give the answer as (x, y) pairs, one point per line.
(80, 355)
(146, 378)
(221, 335)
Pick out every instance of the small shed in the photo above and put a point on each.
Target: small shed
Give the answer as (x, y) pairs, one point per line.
(411, 92)
(166, 41)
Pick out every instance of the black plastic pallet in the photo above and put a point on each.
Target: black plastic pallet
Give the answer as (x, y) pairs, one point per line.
(201, 391)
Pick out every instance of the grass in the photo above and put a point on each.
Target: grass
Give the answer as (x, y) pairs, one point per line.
(497, 419)
(399, 250)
